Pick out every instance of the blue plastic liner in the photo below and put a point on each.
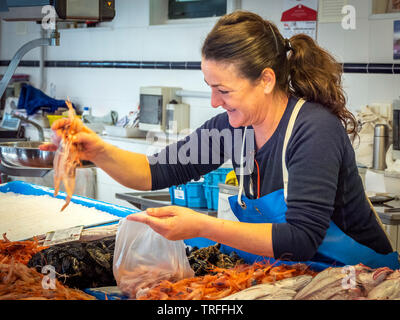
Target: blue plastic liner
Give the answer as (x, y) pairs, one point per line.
(100, 295)
(199, 242)
(203, 242)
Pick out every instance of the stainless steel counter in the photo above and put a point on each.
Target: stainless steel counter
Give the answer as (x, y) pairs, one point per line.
(154, 199)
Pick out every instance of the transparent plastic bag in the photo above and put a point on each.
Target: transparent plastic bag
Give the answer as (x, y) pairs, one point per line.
(143, 258)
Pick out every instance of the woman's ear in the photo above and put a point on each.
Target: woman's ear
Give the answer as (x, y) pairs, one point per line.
(268, 80)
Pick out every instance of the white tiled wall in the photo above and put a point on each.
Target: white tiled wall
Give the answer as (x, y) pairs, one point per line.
(129, 37)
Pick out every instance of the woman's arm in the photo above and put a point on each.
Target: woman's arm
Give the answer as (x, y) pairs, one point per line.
(179, 223)
(127, 168)
(254, 238)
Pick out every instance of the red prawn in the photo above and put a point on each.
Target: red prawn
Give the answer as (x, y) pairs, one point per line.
(67, 158)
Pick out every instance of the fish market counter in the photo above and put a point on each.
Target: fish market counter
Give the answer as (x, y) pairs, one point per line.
(82, 261)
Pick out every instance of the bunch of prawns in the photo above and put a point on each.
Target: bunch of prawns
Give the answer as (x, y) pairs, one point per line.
(66, 159)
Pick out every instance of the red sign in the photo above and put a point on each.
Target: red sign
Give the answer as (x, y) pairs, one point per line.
(299, 13)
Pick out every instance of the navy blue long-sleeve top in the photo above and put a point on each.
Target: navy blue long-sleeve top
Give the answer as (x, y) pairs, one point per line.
(324, 183)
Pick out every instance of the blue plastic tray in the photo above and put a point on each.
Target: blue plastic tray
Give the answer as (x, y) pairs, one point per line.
(36, 190)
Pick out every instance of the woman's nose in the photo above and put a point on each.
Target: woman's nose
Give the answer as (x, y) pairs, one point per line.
(216, 100)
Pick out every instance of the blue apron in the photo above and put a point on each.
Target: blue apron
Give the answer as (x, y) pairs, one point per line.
(337, 248)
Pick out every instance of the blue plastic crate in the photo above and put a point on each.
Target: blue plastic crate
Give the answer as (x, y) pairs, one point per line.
(211, 193)
(217, 176)
(195, 195)
(178, 195)
(189, 195)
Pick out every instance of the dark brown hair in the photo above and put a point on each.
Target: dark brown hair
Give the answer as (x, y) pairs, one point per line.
(302, 68)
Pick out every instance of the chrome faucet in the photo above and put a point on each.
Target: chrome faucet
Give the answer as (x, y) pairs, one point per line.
(15, 114)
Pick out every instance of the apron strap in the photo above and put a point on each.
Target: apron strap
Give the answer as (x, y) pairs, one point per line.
(241, 172)
(289, 130)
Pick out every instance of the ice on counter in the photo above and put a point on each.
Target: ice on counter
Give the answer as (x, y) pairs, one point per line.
(26, 216)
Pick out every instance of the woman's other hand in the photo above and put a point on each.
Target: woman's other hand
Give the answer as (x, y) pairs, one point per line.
(172, 222)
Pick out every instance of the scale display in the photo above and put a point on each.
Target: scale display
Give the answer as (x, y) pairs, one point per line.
(9, 122)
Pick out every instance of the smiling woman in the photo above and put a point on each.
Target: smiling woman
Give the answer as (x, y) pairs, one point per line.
(246, 102)
(289, 93)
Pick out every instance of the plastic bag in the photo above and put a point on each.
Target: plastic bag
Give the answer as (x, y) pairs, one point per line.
(143, 258)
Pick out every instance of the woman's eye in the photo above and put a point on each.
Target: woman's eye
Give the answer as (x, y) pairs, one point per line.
(223, 92)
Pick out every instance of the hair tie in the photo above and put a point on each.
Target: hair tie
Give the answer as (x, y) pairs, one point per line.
(288, 45)
(276, 41)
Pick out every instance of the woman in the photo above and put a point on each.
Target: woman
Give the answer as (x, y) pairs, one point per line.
(304, 200)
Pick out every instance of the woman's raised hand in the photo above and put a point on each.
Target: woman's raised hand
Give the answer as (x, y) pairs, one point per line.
(90, 144)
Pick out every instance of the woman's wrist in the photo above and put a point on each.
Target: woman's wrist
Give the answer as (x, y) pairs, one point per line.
(103, 153)
(205, 225)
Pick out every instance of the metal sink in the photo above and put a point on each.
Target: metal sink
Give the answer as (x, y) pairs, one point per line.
(144, 200)
(154, 199)
(158, 197)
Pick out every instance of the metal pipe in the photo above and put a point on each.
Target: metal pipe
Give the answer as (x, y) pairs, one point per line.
(54, 40)
(42, 82)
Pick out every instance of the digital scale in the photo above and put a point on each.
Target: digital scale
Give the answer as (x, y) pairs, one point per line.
(10, 127)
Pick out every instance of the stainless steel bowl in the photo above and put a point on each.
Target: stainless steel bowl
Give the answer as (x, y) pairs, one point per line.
(27, 154)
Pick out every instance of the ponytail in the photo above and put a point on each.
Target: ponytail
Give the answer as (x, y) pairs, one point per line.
(315, 75)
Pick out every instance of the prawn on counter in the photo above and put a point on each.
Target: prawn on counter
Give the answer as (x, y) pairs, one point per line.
(18, 251)
(67, 158)
(223, 282)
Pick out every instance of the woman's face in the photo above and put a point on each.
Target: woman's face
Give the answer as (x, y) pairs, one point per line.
(242, 99)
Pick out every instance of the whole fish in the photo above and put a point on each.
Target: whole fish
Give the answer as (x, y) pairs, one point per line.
(388, 289)
(368, 278)
(324, 285)
(284, 289)
(345, 283)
